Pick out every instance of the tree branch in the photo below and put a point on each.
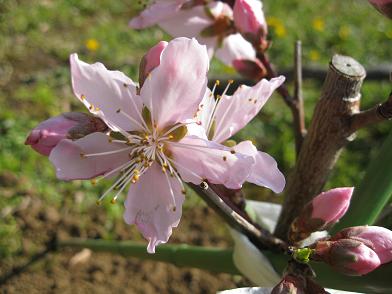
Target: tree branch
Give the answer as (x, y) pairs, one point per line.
(379, 113)
(260, 237)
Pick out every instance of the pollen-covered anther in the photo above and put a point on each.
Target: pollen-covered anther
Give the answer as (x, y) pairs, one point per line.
(82, 97)
(232, 151)
(118, 110)
(93, 182)
(98, 202)
(250, 99)
(217, 82)
(163, 169)
(110, 139)
(113, 201)
(224, 158)
(174, 209)
(183, 191)
(82, 155)
(204, 185)
(125, 85)
(230, 81)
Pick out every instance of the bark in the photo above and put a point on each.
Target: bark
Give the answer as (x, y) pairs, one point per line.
(329, 132)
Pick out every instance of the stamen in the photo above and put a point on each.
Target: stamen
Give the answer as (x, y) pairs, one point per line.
(82, 155)
(131, 119)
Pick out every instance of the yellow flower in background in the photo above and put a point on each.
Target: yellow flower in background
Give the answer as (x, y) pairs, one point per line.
(92, 45)
(344, 32)
(277, 25)
(389, 34)
(314, 55)
(318, 24)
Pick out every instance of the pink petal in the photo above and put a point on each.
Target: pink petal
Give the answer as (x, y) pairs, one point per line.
(234, 112)
(249, 16)
(150, 204)
(187, 22)
(158, 11)
(235, 47)
(197, 159)
(107, 91)
(265, 171)
(381, 239)
(69, 164)
(175, 88)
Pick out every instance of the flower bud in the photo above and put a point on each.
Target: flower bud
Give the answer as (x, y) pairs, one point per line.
(69, 125)
(321, 213)
(150, 61)
(290, 284)
(384, 6)
(377, 238)
(350, 257)
(249, 20)
(250, 69)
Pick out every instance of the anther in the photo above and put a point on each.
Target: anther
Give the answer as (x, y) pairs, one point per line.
(82, 155)
(250, 99)
(98, 202)
(91, 107)
(174, 209)
(118, 110)
(163, 169)
(125, 85)
(231, 82)
(171, 137)
(82, 97)
(232, 151)
(183, 191)
(217, 82)
(224, 158)
(93, 182)
(113, 201)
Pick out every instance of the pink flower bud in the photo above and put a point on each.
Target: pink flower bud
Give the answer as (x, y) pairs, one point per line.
(321, 213)
(249, 19)
(290, 284)
(150, 61)
(384, 6)
(250, 69)
(348, 256)
(377, 238)
(71, 125)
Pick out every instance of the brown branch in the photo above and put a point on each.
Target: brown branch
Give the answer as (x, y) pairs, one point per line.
(371, 116)
(295, 105)
(260, 237)
(329, 132)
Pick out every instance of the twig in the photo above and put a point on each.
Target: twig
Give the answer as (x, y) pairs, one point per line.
(260, 237)
(299, 115)
(293, 104)
(374, 115)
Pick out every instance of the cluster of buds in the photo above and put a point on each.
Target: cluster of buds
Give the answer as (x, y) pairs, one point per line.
(384, 6)
(69, 125)
(356, 251)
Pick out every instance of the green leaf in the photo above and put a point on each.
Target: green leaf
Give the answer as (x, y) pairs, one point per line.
(374, 192)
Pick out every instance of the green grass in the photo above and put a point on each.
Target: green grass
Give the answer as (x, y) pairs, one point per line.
(36, 38)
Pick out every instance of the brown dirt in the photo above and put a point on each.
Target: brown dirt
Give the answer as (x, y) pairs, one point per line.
(109, 273)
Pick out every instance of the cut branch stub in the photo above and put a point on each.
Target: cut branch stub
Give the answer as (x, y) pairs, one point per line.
(329, 132)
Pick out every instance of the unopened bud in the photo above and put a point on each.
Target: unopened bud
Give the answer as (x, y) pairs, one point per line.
(250, 69)
(69, 125)
(290, 284)
(150, 61)
(249, 20)
(350, 257)
(384, 6)
(321, 213)
(377, 238)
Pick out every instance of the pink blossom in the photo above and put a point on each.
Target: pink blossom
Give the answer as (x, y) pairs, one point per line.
(384, 6)
(377, 238)
(348, 256)
(71, 125)
(212, 24)
(249, 17)
(226, 115)
(153, 145)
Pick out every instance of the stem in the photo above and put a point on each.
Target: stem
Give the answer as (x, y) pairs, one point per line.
(261, 238)
(295, 104)
(207, 258)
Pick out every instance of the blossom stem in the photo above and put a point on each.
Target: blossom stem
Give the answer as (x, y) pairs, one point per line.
(261, 238)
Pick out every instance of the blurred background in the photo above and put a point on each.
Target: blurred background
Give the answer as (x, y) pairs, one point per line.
(36, 39)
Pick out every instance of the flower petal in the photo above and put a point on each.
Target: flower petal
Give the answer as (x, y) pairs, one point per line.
(104, 92)
(234, 112)
(69, 164)
(235, 47)
(265, 171)
(197, 159)
(150, 206)
(158, 11)
(175, 88)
